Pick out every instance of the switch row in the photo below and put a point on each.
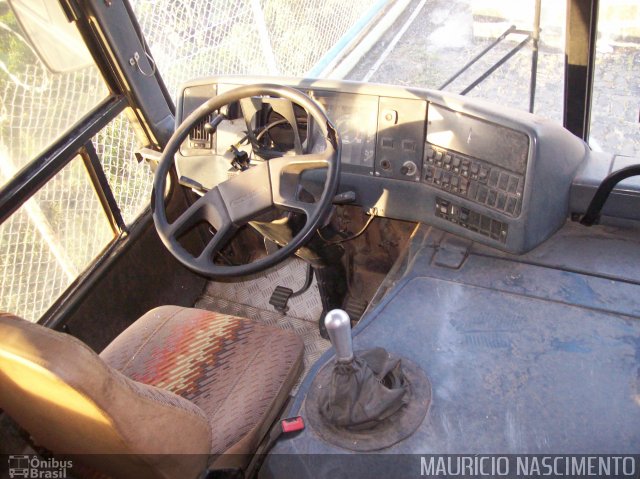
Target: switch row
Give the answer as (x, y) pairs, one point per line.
(471, 220)
(466, 177)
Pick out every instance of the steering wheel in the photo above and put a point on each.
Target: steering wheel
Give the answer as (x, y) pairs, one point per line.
(271, 184)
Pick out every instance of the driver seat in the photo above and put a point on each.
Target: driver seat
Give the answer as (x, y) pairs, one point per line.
(167, 398)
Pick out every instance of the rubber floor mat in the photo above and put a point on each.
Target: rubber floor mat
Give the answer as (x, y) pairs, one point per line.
(255, 290)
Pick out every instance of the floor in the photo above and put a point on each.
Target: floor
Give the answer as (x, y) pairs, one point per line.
(249, 298)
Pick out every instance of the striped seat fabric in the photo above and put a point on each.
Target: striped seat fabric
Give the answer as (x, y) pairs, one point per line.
(236, 370)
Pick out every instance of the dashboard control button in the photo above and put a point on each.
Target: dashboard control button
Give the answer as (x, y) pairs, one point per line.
(496, 227)
(502, 201)
(387, 142)
(390, 116)
(513, 184)
(492, 197)
(473, 189)
(446, 178)
(430, 170)
(409, 145)
(503, 181)
(483, 191)
(493, 178)
(464, 185)
(483, 174)
(485, 224)
(511, 205)
(474, 220)
(409, 168)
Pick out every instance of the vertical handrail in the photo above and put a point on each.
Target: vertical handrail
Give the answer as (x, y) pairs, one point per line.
(534, 57)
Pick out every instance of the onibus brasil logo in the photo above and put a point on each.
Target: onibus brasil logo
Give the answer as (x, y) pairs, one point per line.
(37, 467)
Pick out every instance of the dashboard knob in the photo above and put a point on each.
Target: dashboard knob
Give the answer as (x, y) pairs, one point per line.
(409, 168)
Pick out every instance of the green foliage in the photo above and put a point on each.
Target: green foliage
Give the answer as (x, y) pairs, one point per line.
(14, 53)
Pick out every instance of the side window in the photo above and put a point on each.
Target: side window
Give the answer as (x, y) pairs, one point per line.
(58, 232)
(37, 105)
(615, 107)
(129, 180)
(50, 240)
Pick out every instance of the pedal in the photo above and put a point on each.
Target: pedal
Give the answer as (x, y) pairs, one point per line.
(355, 308)
(280, 298)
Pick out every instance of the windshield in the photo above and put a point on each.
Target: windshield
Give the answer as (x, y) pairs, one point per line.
(499, 50)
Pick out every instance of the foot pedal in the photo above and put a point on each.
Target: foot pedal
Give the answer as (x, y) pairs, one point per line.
(280, 298)
(355, 308)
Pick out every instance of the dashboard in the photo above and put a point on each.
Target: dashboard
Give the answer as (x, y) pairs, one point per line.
(497, 176)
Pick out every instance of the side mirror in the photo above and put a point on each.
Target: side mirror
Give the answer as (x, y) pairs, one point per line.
(55, 40)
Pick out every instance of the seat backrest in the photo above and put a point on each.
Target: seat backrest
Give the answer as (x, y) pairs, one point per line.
(75, 405)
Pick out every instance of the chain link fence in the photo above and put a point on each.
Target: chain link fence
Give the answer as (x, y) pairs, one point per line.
(191, 39)
(55, 235)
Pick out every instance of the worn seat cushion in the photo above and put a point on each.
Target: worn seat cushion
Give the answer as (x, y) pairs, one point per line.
(237, 371)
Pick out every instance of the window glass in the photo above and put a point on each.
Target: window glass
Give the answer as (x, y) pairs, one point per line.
(615, 107)
(191, 39)
(442, 36)
(428, 43)
(130, 181)
(36, 105)
(49, 241)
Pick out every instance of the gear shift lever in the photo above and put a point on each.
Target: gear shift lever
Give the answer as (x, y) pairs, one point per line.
(338, 326)
(359, 390)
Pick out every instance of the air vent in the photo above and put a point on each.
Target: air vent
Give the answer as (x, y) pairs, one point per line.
(199, 137)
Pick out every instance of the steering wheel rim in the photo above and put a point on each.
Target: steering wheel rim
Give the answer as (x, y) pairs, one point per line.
(233, 203)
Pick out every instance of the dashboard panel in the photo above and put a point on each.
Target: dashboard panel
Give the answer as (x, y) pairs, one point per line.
(494, 175)
(356, 118)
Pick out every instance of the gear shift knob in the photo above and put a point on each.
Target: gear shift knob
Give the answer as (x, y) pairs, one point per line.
(338, 326)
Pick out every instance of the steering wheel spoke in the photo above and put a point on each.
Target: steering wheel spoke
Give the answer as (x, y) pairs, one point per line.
(294, 205)
(215, 244)
(297, 164)
(285, 178)
(209, 208)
